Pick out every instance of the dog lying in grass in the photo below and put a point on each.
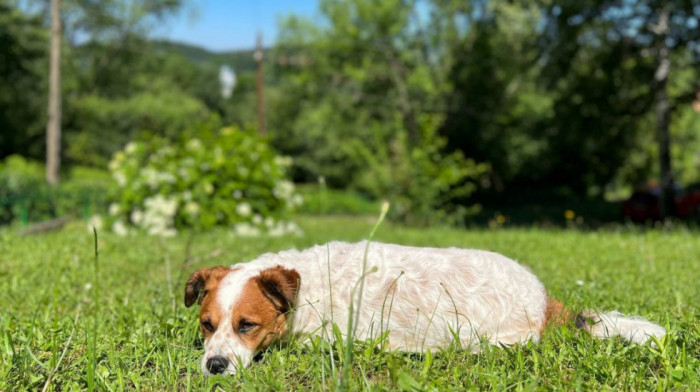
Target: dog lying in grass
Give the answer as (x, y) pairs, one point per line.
(422, 298)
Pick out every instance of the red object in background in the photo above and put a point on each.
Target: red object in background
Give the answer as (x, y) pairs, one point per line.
(643, 205)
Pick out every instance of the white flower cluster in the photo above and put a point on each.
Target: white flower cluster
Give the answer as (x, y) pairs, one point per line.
(285, 190)
(274, 229)
(131, 148)
(115, 166)
(194, 145)
(96, 222)
(155, 178)
(114, 209)
(163, 153)
(244, 209)
(158, 216)
(119, 228)
(192, 208)
(284, 228)
(245, 229)
(283, 161)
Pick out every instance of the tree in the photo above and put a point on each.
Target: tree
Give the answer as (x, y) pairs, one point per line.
(363, 66)
(662, 109)
(53, 127)
(360, 105)
(557, 97)
(23, 64)
(649, 36)
(496, 108)
(117, 82)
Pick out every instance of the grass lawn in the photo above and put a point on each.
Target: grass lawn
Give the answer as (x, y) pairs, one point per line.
(128, 329)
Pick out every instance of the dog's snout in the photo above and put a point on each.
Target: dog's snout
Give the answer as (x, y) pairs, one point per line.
(217, 365)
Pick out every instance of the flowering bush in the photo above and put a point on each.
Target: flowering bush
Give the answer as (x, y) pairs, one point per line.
(225, 178)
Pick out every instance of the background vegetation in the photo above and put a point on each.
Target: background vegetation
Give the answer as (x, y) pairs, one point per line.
(438, 105)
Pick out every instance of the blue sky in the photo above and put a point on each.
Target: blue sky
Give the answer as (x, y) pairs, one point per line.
(231, 24)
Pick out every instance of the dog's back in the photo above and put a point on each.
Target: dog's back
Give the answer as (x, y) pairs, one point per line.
(425, 297)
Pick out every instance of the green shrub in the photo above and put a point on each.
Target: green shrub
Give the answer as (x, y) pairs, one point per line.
(25, 195)
(229, 177)
(318, 199)
(425, 184)
(23, 190)
(86, 191)
(102, 125)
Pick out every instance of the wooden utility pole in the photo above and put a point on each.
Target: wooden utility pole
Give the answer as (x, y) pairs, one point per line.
(260, 86)
(53, 126)
(662, 109)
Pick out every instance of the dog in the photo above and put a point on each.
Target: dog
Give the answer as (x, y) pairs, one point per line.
(421, 298)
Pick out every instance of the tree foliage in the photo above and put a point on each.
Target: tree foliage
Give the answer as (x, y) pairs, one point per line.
(608, 52)
(114, 85)
(356, 108)
(23, 65)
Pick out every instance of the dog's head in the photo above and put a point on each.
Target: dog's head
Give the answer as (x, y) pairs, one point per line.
(242, 311)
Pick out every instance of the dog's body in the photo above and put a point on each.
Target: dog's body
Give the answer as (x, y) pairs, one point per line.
(424, 298)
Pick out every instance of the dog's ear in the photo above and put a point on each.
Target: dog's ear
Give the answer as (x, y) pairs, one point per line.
(280, 285)
(198, 281)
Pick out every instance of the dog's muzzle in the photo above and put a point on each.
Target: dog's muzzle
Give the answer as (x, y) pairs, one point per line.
(217, 365)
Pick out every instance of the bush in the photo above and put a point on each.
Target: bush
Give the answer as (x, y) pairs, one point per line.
(102, 125)
(425, 184)
(25, 195)
(319, 199)
(22, 190)
(219, 178)
(85, 192)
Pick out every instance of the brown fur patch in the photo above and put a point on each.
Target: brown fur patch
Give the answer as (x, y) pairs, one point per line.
(556, 314)
(210, 310)
(202, 281)
(202, 286)
(256, 307)
(280, 285)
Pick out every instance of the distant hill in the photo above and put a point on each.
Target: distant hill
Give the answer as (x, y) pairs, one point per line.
(239, 60)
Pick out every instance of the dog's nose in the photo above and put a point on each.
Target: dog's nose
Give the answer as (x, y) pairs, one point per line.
(217, 365)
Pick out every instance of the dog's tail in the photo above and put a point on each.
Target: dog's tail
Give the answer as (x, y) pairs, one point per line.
(606, 325)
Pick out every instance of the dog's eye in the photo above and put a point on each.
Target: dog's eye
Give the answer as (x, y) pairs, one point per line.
(245, 326)
(207, 326)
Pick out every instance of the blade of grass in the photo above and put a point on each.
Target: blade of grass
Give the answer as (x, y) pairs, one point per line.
(353, 316)
(63, 353)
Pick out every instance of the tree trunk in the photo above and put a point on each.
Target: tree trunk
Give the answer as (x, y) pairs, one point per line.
(260, 85)
(662, 109)
(53, 127)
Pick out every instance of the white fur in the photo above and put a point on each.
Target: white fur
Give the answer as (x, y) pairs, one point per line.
(424, 297)
(634, 329)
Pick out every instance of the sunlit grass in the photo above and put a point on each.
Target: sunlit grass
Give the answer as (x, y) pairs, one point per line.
(145, 339)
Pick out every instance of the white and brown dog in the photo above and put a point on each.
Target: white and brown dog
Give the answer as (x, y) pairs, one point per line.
(424, 298)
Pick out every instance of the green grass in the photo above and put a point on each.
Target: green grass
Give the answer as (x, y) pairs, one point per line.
(134, 333)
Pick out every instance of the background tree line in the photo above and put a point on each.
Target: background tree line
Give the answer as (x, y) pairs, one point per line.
(553, 95)
(434, 103)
